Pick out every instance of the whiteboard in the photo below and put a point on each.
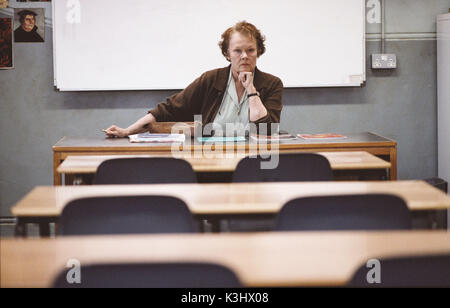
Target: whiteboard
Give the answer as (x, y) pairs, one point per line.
(166, 44)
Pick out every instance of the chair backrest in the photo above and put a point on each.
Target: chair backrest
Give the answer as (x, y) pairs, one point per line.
(153, 275)
(151, 170)
(290, 168)
(344, 212)
(125, 215)
(406, 271)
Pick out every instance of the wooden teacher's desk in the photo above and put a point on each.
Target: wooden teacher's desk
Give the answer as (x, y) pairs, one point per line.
(367, 142)
(258, 259)
(44, 204)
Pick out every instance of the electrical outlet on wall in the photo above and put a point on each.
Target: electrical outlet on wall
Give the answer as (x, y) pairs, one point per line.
(384, 61)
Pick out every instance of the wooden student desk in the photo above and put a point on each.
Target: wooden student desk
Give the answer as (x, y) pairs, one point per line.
(343, 163)
(367, 142)
(44, 204)
(258, 259)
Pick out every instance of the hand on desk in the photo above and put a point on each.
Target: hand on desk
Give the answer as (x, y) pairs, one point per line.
(115, 131)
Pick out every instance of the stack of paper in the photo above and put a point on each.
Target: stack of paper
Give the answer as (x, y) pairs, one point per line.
(164, 138)
(326, 136)
(217, 139)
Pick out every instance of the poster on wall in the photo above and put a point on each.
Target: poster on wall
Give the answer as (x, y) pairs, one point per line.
(6, 54)
(29, 25)
(3, 4)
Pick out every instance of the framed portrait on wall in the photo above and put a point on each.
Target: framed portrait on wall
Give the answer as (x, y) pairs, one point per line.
(3, 4)
(29, 25)
(6, 46)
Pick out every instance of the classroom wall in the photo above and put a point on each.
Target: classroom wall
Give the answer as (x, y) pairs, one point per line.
(400, 104)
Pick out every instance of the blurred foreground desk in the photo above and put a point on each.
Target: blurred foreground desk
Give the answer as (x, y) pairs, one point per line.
(367, 142)
(345, 165)
(258, 259)
(44, 204)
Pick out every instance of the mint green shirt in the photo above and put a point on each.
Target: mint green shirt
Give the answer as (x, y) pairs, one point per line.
(232, 111)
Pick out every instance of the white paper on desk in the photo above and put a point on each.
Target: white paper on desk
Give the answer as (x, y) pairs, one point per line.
(163, 138)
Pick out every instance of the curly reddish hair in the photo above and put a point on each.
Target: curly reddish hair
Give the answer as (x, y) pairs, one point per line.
(244, 28)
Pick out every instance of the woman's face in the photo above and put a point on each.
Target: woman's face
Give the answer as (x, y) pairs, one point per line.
(242, 53)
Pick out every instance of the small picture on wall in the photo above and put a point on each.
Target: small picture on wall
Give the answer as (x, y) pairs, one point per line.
(29, 25)
(3, 4)
(6, 54)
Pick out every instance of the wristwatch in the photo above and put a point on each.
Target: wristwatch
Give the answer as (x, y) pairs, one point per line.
(253, 94)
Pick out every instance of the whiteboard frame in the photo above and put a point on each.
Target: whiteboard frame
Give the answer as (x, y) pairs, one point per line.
(359, 80)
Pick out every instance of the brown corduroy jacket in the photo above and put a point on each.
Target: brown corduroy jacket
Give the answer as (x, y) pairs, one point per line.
(204, 96)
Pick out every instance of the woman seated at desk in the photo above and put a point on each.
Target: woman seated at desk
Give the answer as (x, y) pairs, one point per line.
(239, 94)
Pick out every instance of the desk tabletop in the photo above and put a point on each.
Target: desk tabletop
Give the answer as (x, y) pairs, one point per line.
(83, 164)
(95, 144)
(258, 259)
(230, 198)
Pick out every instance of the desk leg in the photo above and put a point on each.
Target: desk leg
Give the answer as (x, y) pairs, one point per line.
(393, 161)
(200, 225)
(215, 225)
(57, 178)
(361, 175)
(21, 228)
(429, 220)
(70, 179)
(44, 229)
(208, 224)
(211, 224)
(78, 179)
(439, 220)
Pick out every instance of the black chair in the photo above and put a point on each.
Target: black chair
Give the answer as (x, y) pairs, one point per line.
(153, 275)
(407, 271)
(346, 212)
(290, 168)
(152, 170)
(125, 215)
